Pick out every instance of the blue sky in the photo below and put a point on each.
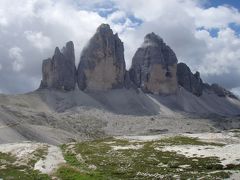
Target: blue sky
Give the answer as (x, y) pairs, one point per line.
(234, 3)
(216, 3)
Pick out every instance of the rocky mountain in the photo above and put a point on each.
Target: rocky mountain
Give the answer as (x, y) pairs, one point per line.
(59, 72)
(154, 67)
(155, 73)
(218, 90)
(194, 84)
(102, 64)
(191, 82)
(158, 101)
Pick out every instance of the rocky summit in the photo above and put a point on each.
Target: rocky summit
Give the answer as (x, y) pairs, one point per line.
(102, 64)
(59, 72)
(218, 90)
(191, 82)
(154, 66)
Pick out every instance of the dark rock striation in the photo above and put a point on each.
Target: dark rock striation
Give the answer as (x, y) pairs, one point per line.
(191, 82)
(154, 67)
(102, 64)
(218, 90)
(59, 72)
(194, 84)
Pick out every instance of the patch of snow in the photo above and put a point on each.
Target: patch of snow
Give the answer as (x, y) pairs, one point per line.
(52, 161)
(127, 147)
(144, 138)
(149, 175)
(228, 154)
(21, 150)
(235, 175)
(110, 142)
(185, 166)
(93, 167)
(223, 137)
(79, 158)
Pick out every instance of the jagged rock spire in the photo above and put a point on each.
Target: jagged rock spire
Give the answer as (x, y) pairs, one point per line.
(191, 82)
(59, 72)
(102, 64)
(154, 66)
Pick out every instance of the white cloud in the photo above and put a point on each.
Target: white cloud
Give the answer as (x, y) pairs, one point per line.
(30, 30)
(214, 17)
(3, 21)
(236, 91)
(117, 16)
(178, 23)
(38, 40)
(15, 54)
(223, 52)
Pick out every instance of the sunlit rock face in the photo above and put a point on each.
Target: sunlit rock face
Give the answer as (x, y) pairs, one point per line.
(59, 72)
(154, 67)
(102, 64)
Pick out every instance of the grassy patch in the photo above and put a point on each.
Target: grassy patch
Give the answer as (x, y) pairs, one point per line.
(142, 163)
(11, 171)
(98, 160)
(69, 172)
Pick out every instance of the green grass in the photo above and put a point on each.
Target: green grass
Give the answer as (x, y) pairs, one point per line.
(97, 160)
(11, 171)
(69, 172)
(143, 163)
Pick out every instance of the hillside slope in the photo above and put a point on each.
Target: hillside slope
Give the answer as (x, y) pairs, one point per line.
(55, 117)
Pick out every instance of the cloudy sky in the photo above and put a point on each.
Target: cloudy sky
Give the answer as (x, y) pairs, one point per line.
(205, 34)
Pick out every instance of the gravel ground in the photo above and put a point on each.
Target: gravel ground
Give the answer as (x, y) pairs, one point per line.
(57, 117)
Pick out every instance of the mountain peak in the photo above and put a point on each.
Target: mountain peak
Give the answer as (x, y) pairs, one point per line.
(154, 66)
(59, 71)
(57, 51)
(152, 39)
(104, 28)
(102, 64)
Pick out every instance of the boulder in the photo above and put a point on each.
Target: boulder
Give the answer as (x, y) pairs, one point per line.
(191, 82)
(154, 67)
(102, 64)
(59, 72)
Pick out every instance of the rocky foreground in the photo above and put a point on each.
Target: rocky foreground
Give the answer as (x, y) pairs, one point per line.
(181, 156)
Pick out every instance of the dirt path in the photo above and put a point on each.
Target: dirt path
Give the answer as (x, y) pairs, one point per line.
(51, 162)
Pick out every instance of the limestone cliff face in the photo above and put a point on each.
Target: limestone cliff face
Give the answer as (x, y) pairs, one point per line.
(154, 67)
(102, 64)
(59, 72)
(191, 82)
